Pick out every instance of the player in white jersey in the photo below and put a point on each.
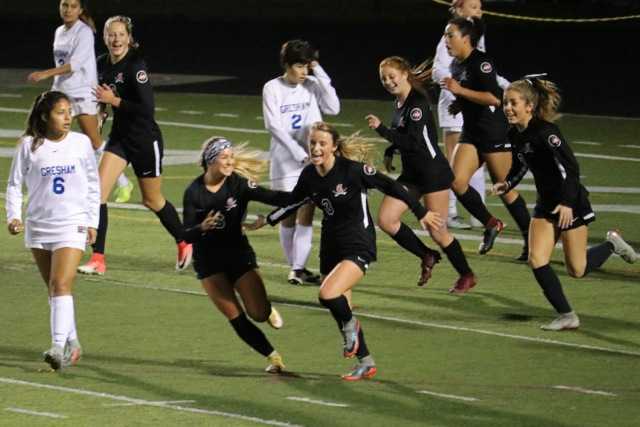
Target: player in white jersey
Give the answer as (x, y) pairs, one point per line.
(75, 75)
(450, 124)
(291, 103)
(59, 169)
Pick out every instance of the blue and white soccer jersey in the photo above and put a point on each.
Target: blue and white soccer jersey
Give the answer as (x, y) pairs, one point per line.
(289, 111)
(64, 191)
(75, 46)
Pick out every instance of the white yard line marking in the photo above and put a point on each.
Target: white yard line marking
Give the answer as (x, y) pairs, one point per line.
(198, 126)
(230, 115)
(10, 95)
(146, 402)
(448, 396)
(589, 116)
(13, 110)
(11, 133)
(317, 402)
(191, 112)
(602, 156)
(585, 142)
(584, 390)
(160, 109)
(39, 414)
(259, 118)
(341, 125)
(156, 402)
(629, 146)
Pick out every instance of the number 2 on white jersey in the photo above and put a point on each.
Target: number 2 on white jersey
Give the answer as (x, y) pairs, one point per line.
(295, 121)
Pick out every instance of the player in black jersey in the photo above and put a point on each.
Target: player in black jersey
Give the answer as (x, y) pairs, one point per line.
(562, 208)
(425, 170)
(338, 186)
(135, 138)
(484, 131)
(215, 204)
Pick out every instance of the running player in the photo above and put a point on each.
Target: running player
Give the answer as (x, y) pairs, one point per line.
(425, 170)
(484, 132)
(59, 169)
(135, 138)
(338, 186)
(562, 208)
(75, 74)
(215, 205)
(291, 103)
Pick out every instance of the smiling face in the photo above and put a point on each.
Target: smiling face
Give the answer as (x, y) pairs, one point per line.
(469, 9)
(224, 164)
(296, 73)
(70, 11)
(59, 120)
(322, 149)
(117, 39)
(394, 80)
(458, 46)
(517, 109)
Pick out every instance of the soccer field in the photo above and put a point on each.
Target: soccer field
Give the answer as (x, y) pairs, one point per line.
(157, 352)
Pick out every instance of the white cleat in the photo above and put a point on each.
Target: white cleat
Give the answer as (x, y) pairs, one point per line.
(457, 223)
(564, 321)
(275, 320)
(622, 248)
(54, 357)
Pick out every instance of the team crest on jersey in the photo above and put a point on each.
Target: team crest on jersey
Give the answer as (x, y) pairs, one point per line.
(119, 78)
(416, 114)
(369, 170)
(486, 67)
(526, 149)
(231, 203)
(554, 141)
(252, 184)
(340, 191)
(142, 77)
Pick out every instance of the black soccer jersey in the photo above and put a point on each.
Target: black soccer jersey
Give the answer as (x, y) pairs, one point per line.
(413, 133)
(133, 120)
(481, 122)
(231, 200)
(342, 195)
(542, 149)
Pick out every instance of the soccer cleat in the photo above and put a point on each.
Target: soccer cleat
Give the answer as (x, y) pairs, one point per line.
(430, 259)
(622, 248)
(457, 223)
(564, 321)
(185, 251)
(464, 284)
(123, 193)
(351, 340)
(276, 365)
(275, 320)
(490, 236)
(72, 353)
(360, 372)
(299, 277)
(524, 256)
(54, 357)
(96, 265)
(475, 223)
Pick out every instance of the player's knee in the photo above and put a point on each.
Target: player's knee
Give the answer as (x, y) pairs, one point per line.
(258, 315)
(60, 285)
(459, 186)
(153, 203)
(388, 223)
(576, 271)
(537, 261)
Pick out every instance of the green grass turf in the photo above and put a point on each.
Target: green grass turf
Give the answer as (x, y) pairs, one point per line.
(150, 333)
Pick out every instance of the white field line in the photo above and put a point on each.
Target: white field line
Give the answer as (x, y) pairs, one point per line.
(39, 414)
(585, 142)
(385, 318)
(317, 402)
(160, 109)
(448, 396)
(341, 125)
(162, 402)
(603, 157)
(10, 133)
(584, 390)
(629, 146)
(191, 112)
(229, 115)
(589, 116)
(145, 402)
(211, 127)
(10, 95)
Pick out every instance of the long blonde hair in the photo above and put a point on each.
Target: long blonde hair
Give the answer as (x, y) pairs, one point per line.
(419, 76)
(352, 147)
(247, 163)
(542, 94)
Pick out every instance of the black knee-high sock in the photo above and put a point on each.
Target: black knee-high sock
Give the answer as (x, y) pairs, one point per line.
(457, 258)
(597, 255)
(339, 308)
(363, 350)
(472, 202)
(406, 238)
(251, 334)
(171, 221)
(550, 284)
(519, 212)
(101, 235)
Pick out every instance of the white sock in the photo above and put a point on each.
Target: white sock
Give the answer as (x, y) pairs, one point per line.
(301, 246)
(62, 316)
(453, 209)
(477, 182)
(123, 180)
(99, 151)
(286, 241)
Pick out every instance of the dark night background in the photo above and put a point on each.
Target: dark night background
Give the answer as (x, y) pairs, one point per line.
(595, 64)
